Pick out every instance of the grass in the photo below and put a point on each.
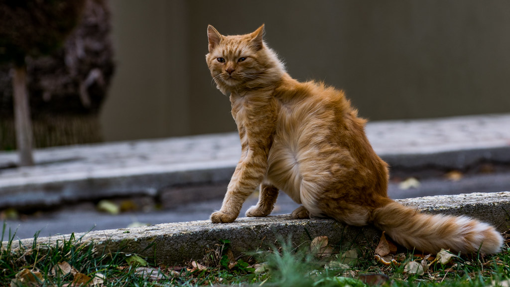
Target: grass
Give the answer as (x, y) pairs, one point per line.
(74, 263)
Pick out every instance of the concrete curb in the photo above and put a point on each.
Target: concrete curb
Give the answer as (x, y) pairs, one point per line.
(156, 166)
(176, 243)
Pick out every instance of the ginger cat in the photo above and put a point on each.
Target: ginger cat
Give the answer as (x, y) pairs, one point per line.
(306, 140)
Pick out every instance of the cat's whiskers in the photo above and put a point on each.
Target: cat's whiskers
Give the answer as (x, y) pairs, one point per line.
(214, 77)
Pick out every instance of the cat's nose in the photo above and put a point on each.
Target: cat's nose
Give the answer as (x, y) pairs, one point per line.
(230, 70)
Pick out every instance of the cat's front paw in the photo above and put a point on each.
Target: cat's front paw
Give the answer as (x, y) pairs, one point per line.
(221, 217)
(257, 211)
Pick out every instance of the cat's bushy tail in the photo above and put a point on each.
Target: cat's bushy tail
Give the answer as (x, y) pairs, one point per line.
(430, 233)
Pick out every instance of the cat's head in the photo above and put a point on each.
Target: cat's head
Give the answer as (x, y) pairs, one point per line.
(242, 62)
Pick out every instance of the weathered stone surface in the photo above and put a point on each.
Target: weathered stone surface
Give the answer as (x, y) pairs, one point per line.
(148, 167)
(176, 243)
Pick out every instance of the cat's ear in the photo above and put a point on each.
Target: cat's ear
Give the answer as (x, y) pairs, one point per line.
(214, 37)
(257, 37)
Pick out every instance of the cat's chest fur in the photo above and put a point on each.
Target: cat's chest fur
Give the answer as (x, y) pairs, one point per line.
(263, 119)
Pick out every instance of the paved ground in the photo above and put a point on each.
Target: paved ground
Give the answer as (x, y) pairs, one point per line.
(148, 166)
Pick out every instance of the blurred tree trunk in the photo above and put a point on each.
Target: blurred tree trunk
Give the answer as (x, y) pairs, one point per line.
(66, 90)
(22, 116)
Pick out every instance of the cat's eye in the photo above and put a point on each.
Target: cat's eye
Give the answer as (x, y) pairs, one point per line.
(241, 59)
(221, 60)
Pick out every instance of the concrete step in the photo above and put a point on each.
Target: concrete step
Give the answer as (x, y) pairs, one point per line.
(178, 243)
(155, 167)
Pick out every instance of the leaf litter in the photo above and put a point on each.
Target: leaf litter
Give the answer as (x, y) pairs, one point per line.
(344, 267)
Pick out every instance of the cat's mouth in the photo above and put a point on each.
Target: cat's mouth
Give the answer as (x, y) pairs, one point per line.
(230, 80)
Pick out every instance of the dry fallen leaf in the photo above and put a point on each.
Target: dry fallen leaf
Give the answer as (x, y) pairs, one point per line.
(81, 279)
(9, 214)
(27, 278)
(128, 205)
(320, 248)
(413, 267)
(98, 279)
(444, 257)
(487, 168)
(409, 183)
(424, 264)
(374, 279)
(108, 206)
(505, 283)
(230, 255)
(454, 175)
(135, 260)
(260, 268)
(198, 266)
(385, 246)
(62, 268)
(319, 243)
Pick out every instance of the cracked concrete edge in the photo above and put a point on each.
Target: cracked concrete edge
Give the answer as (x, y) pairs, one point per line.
(178, 243)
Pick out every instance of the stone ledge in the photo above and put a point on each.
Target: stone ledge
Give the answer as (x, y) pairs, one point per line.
(175, 243)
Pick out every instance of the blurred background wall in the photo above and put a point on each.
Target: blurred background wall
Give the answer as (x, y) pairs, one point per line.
(395, 59)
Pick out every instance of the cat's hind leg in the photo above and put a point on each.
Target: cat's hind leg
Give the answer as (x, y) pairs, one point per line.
(300, 213)
(267, 199)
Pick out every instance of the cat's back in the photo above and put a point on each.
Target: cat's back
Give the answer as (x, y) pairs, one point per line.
(307, 145)
(311, 104)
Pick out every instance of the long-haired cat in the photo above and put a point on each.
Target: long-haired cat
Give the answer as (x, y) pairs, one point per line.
(306, 140)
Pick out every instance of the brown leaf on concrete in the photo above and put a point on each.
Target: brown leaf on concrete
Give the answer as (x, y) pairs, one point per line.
(108, 206)
(9, 213)
(409, 183)
(454, 175)
(487, 168)
(128, 205)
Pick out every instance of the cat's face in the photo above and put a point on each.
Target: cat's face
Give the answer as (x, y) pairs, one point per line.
(239, 61)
